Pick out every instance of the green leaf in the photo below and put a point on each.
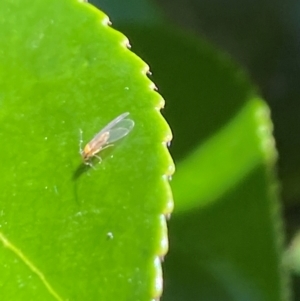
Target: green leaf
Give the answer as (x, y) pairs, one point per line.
(227, 158)
(68, 231)
(292, 255)
(226, 230)
(227, 212)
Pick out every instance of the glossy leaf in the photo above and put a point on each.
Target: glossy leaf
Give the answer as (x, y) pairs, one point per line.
(70, 231)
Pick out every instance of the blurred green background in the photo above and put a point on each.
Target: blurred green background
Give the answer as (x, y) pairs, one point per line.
(262, 36)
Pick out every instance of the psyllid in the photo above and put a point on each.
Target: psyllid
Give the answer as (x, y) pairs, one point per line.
(113, 131)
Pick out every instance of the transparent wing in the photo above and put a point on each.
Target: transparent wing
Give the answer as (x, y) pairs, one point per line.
(114, 122)
(120, 130)
(117, 129)
(111, 125)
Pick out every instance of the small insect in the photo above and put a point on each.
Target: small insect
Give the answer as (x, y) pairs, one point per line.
(115, 130)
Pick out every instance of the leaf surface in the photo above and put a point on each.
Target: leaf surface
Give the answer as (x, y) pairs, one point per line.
(69, 231)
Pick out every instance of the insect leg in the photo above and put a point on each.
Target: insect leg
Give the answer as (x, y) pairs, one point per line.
(106, 146)
(99, 158)
(89, 164)
(80, 141)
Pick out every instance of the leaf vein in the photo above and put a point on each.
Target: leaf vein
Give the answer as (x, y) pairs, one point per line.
(7, 244)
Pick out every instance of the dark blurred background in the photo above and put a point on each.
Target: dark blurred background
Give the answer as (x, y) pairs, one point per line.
(263, 36)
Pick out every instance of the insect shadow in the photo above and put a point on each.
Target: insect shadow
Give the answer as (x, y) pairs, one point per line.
(81, 169)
